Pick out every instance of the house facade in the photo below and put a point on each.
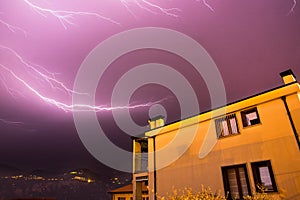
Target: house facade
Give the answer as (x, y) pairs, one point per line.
(126, 193)
(241, 149)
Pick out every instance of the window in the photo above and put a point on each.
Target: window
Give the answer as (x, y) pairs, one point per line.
(226, 126)
(236, 181)
(141, 156)
(250, 117)
(263, 176)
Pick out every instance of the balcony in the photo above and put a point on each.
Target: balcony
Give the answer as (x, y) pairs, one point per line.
(141, 162)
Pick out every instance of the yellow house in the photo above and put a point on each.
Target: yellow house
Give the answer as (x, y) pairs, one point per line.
(126, 193)
(240, 149)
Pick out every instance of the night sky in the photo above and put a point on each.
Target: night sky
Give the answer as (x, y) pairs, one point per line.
(251, 42)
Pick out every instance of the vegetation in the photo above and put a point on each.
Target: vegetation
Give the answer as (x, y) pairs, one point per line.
(206, 193)
(189, 194)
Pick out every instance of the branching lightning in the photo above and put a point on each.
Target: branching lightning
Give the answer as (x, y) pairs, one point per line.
(54, 83)
(69, 107)
(65, 16)
(13, 28)
(148, 6)
(49, 77)
(163, 10)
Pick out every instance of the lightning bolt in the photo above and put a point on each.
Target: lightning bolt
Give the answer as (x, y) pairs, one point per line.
(149, 7)
(69, 107)
(207, 5)
(50, 78)
(163, 10)
(13, 93)
(13, 28)
(65, 16)
(293, 7)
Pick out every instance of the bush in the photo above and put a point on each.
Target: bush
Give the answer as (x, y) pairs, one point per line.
(207, 194)
(189, 194)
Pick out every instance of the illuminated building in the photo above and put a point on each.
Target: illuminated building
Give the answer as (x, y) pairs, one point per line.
(253, 144)
(126, 193)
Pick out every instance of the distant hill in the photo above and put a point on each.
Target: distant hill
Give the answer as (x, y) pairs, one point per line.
(6, 170)
(74, 184)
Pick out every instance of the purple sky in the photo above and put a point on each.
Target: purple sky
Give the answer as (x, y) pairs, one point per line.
(251, 42)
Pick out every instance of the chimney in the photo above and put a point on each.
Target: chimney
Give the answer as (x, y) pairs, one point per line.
(288, 76)
(156, 122)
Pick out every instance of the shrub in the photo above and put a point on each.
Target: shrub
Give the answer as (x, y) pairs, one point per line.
(206, 193)
(189, 194)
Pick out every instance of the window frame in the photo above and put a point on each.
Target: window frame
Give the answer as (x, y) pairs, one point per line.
(247, 111)
(257, 178)
(238, 179)
(220, 129)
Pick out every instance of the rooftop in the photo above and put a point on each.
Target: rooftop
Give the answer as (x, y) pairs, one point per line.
(127, 189)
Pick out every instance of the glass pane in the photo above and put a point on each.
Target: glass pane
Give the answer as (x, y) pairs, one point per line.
(243, 181)
(251, 117)
(225, 128)
(265, 177)
(233, 125)
(141, 162)
(234, 190)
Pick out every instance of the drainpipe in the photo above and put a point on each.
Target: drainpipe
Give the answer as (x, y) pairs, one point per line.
(291, 120)
(289, 77)
(155, 175)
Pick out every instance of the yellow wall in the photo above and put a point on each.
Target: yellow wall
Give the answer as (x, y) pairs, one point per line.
(127, 196)
(273, 139)
(294, 106)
